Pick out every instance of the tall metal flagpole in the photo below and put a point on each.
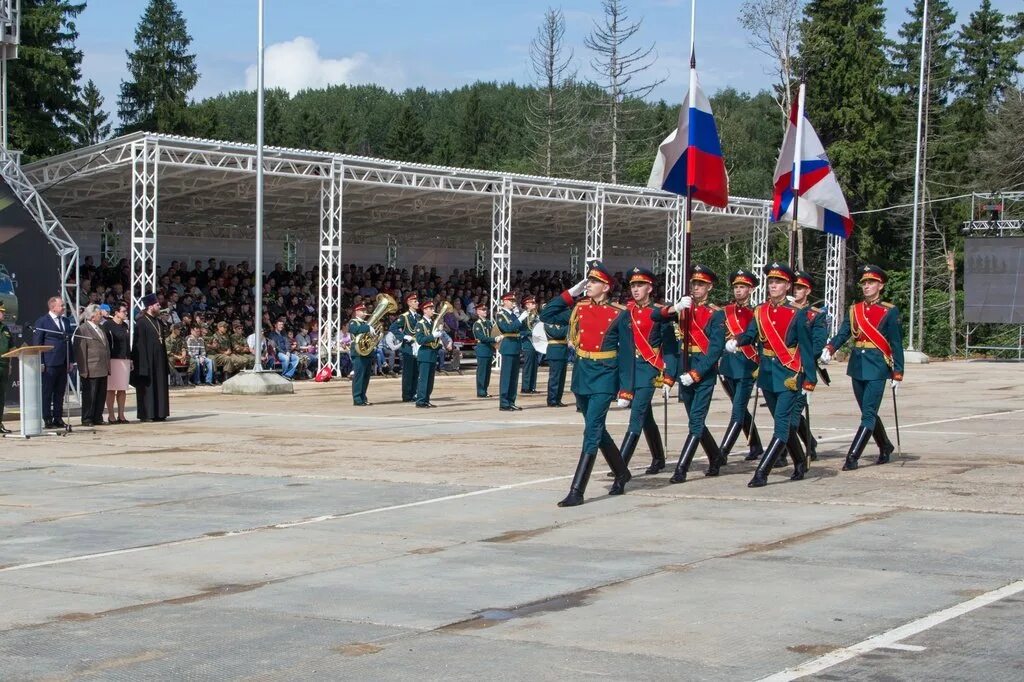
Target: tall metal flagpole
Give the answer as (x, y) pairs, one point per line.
(917, 177)
(689, 185)
(258, 367)
(798, 154)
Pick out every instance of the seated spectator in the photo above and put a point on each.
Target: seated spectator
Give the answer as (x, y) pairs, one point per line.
(200, 365)
(284, 349)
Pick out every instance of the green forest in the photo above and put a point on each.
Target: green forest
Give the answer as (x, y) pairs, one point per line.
(862, 98)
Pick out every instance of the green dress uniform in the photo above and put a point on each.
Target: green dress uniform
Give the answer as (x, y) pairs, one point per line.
(427, 359)
(531, 358)
(484, 352)
(595, 330)
(402, 327)
(6, 344)
(877, 356)
(817, 326)
(784, 348)
(511, 345)
(360, 364)
(738, 371)
(558, 357)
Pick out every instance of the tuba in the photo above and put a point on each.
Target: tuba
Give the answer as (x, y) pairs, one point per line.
(437, 324)
(366, 343)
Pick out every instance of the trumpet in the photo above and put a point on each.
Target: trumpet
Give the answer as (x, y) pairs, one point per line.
(366, 343)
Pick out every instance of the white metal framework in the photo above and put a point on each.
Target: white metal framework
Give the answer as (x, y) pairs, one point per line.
(479, 257)
(331, 196)
(675, 278)
(574, 260)
(145, 188)
(501, 245)
(392, 254)
(759, 255)
(835, 281)
(593, 247)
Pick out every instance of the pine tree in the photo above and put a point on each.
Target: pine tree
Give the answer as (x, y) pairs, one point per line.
(91, 124)
(472, 129)
(405, 140)
(42, 83)
(162, 72)
(988, 64)
(843, 57)
(307, 132)
(274, 103)
(340, 133)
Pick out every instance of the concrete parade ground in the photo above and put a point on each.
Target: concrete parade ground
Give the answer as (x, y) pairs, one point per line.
(299, 537)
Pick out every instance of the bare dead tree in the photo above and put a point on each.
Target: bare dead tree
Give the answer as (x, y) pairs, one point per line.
(554, 114)
(774, 28)
(617, 65)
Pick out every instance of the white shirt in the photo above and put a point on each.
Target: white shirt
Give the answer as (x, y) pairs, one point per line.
(59, 321)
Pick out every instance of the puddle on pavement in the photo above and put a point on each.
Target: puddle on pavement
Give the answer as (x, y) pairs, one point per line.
(491, 617)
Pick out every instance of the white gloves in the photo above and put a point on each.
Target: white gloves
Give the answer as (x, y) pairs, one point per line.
(666, 390)
(408, 338)
(825, 358)
(522, 315)
(806, 394)
(895, 383)
(730, 346)
(622, 402)
(578, 288)
(683, 304)
(437, 334)
(686, 380)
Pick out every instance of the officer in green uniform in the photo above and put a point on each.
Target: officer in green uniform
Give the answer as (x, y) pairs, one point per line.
(595, 327)
(429, 341)
(486, 336)
(219, 347)
(705, 333)
(738, 370)
(531, 358)
(557, 331)
(510, 323)
(404, 328)
(785, 368)
(6, 344)
(241, 355)
(877, 356)
(817, 325)
(361, 364)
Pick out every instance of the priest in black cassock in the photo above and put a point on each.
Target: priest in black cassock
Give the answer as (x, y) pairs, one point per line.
(149, 363)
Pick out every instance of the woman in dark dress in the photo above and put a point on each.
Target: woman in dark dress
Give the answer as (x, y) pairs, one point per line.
(116, 327)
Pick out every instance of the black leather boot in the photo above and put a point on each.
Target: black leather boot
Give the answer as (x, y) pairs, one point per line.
(764, 467)
(620, 470)
(756, 449)
(653, 436)
(856, 448)
(716, 460)
(796, 451)
(609, 449)
(808, 438)
(732, 432)
(579, 481)
(629, 442)
(885, 446)
(685, 457)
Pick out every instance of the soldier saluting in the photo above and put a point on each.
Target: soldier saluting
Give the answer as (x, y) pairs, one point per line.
(877, 356)
(738, 370)
(594, 330)
(784, 345)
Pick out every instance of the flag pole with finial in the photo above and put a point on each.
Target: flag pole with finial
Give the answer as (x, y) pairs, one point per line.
(690, 180)
(797, 160)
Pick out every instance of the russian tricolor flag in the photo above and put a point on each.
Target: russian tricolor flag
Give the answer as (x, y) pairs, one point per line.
(821, 205)
(690, 159)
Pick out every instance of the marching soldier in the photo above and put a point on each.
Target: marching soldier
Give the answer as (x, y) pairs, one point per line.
(404, 328)
(531, 358)
(643, 368)
(706, 327)
(361, 364)
(485, 340)
(877, 356)
(429, 341)
(739, 369)
(818, 327)
(595, 327)
(557, 329)
(6, 344)
(510, 323)
(784, 346)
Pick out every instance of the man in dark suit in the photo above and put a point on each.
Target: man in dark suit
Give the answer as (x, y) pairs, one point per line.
(54, 329)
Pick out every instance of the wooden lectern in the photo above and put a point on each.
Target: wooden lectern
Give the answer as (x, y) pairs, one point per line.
(31, 388)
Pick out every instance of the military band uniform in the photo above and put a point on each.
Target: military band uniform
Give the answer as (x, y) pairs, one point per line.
(738, 371)
(817, 325)
(595, 330)
(557, 356)
(427, 359)
(484, 352)
(405, 326)
(511, 329)
(361, 365)
(876, 357)
(531, 358)
(784, 353)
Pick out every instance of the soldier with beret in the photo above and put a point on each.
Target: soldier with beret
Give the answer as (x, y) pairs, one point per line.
(531, 358)
(785, 368)
(877, 356)
(430, 342)
(595, 327)
(817, 325)
(404, 328)
(511, 323)
(703, 323)
(361, 364)
(738, 370)
(486, 337)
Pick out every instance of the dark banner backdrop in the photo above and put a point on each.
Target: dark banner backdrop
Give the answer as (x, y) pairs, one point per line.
(994, 279)
(29, 272)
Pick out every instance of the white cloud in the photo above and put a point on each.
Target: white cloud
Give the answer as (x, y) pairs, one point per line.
(297, 64)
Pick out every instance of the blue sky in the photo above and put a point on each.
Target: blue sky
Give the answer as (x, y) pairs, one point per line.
(430, 43)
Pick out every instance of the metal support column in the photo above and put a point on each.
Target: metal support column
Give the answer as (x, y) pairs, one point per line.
(290, 254)
(145, 188)
(675, 284)
(392, 255)
(658, 262)
(759, 255)
(835, 280)
(574, 259)
(331, 191)
(501, 248)
(594, 243)
(479, 257)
